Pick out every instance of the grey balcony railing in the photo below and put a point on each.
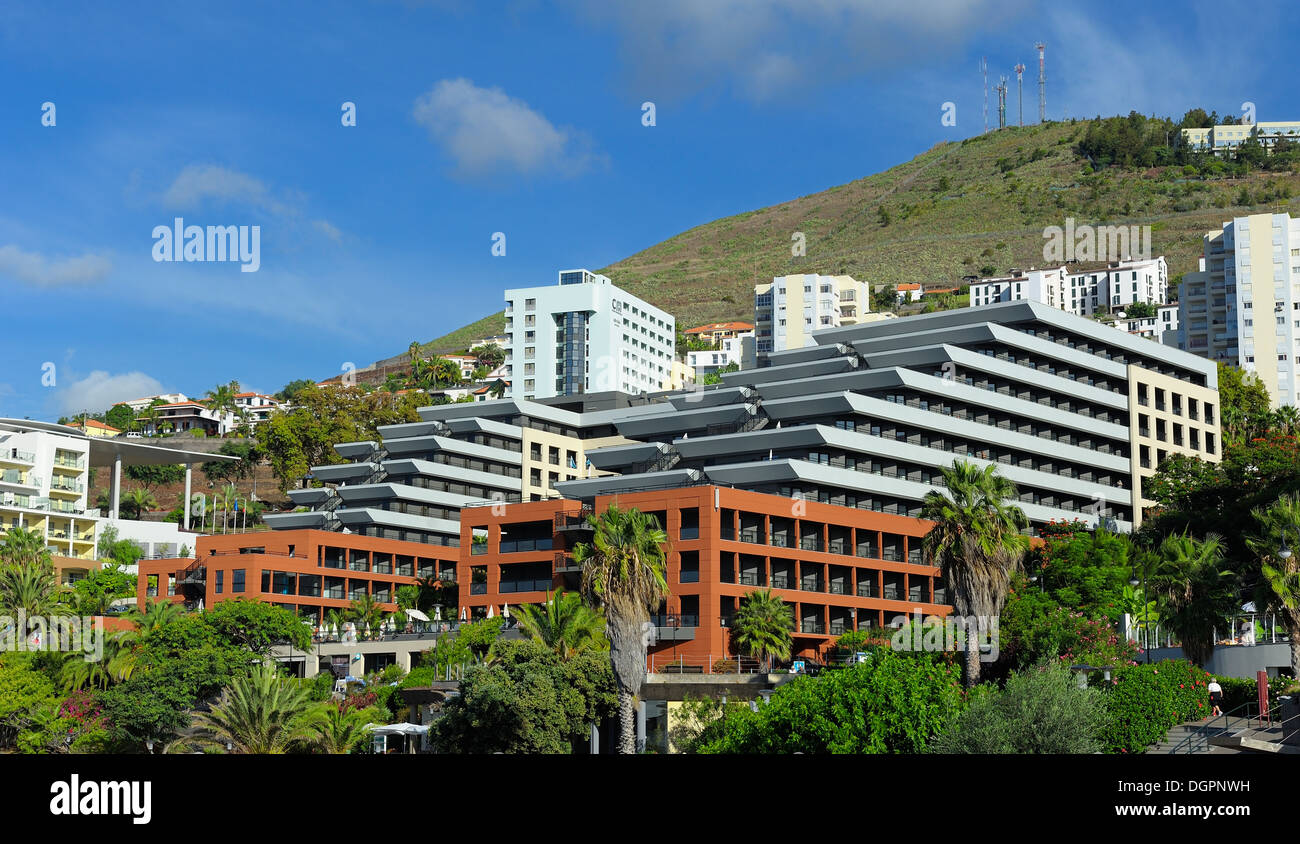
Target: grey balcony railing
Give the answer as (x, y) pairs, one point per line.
(812, 627)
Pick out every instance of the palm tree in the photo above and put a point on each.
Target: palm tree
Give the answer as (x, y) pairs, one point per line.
(155, 614)
(137, 501)
(1195, 592)
(418, 363)
(623, 572)
(27, 579)
(1287, 419)
(564, 624)
(366, 612)
(23, 546)
(762, 627)
(1279, 566)
(976, 542)
(337, 729)
(149, 417)
(260, 713)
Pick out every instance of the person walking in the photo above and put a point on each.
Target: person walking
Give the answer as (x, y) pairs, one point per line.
(1216, 697)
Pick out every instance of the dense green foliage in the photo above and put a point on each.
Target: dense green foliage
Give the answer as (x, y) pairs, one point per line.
(1145, 701)
(528, 700)
(891, 704)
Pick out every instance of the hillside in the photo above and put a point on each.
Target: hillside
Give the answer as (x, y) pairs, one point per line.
(957, 208)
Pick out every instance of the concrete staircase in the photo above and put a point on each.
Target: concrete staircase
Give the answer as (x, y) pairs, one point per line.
(1178, 738)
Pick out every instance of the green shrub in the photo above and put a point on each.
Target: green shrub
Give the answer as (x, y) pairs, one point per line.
(1042, 710)
(894, 703)
(1145, 701)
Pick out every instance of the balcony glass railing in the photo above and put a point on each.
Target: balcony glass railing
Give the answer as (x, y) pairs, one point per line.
(15, 455)
(813, 627)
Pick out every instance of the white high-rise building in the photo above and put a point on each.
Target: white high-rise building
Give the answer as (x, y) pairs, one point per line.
(1085, 293)
(584, 335)
(1243, 306)
(792, 307)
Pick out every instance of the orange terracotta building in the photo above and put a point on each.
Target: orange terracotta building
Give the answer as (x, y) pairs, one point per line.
(307, 571)
(839, 568)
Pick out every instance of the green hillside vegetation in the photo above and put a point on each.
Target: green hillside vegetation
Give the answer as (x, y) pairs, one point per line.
(958, 209)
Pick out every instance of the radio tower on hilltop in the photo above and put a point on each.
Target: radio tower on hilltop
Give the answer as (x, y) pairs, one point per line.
(1020, 91)
(984, 71)
(1002, 102)
(1042, 84)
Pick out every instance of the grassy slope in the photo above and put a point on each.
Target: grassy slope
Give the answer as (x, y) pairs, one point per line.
(984, 218)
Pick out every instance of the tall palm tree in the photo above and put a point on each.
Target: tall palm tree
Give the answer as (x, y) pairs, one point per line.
(623, 572)
(1279, 565)
(337, 729)
(1195, 592)
(976, 542)
(260, 713)
(564, 624)
(762, 627)
(418, 363)
(154, 615)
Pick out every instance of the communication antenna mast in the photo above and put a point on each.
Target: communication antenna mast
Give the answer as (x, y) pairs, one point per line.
(984, 71)
(1042, 84)
(1002, 102)
(1020, 91)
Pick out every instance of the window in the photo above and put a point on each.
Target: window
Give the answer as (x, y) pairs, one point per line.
(221, 581)
(237, 580)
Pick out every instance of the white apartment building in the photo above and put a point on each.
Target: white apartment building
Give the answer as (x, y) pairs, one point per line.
(792, 307)
(585, 335)
(1226, 137)
(256, 407)
(730, 350)
(1081, 292)
(1162, 328)
(1243, 306)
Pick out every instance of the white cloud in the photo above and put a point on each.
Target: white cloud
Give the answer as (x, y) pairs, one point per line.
(328, 229)
(33, 268)
(769, 48)
(199, 182)
(99, 391)
(485, 131)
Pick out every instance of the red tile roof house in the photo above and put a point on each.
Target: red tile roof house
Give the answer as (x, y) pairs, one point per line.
(716, 332)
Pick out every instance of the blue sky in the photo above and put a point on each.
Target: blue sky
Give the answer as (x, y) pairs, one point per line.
(480, 117)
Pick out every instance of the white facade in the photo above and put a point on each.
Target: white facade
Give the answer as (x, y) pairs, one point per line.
(585, 335)
(166, 398)
(1243, 307)
(1084, 293)
(44, 486)
(708, 361)
(792, 307)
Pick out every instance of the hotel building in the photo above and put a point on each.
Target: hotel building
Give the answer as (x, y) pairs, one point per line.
(791, 308)
(1074, 412)
(1243, 306)
(584, 335)
(412, 485)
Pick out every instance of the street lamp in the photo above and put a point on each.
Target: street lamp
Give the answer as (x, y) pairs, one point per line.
(149, 744)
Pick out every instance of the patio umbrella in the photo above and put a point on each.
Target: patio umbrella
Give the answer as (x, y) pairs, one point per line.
(437, 613)
(462, 613)
(491, 611)
(417, 615)
(505, 611)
